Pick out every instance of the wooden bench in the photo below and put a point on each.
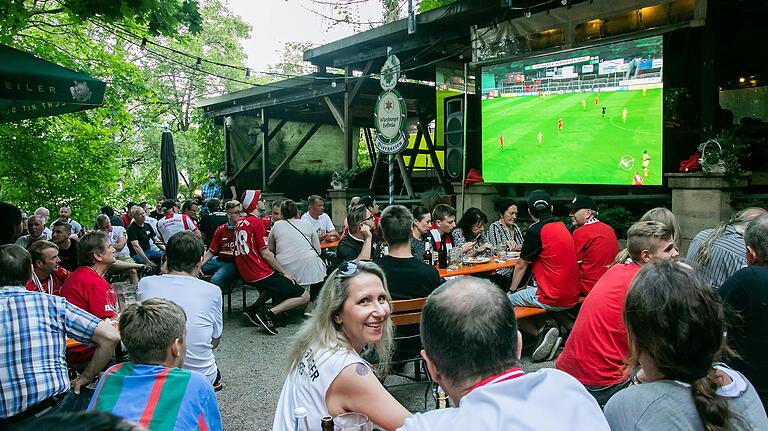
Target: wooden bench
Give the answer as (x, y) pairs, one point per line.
(408, 312)
(523, 312)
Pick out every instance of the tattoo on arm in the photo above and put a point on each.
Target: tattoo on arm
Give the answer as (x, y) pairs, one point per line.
(361, 369)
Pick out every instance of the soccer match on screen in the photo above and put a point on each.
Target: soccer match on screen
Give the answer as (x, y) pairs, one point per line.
(589, 116)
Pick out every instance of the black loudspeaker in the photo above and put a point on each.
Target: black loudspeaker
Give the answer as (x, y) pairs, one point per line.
(453, 130)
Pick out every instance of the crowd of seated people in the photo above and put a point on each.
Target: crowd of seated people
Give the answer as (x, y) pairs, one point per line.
(624, 358)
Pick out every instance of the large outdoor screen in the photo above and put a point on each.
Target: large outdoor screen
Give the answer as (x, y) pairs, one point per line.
(588, 116)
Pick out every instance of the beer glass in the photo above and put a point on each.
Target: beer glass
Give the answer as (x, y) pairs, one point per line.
(501, 250)
(352, 422)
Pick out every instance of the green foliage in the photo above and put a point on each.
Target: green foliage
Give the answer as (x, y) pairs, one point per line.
(292, 60)
(166, 17)
(425, 5)
(619, 218)
(111, 154)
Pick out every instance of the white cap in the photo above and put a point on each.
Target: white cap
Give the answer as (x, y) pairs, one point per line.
(300, 412)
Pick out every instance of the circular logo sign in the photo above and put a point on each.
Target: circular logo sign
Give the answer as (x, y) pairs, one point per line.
(390, 73)
(389, 117)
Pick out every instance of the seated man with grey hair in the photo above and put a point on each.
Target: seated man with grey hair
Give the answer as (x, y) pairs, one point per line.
(472, 348)
(152, 389)
(36, 229)
(746, 295)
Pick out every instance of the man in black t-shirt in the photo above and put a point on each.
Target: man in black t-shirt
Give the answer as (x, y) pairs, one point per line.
(139, 235)
(408, 277)
(212, 219)
(746, 295)
(357, 243)
(67, 243)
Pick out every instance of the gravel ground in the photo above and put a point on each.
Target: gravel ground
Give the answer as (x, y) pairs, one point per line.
(253, 366)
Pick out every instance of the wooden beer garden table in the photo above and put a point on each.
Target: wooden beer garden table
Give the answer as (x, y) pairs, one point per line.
(492, 266)
(324, 245)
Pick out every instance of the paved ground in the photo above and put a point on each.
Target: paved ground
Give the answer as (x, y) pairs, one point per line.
(253, 368)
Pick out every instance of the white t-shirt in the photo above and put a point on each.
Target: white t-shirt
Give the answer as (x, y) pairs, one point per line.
(547, 399)
(307, 385)
(171, 224)
(202, 303)
(290, 241)
(152, 222)
(115, 235)
(321, 224)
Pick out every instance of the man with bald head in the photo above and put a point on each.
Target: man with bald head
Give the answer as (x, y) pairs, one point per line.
(140, 235)
(475, 360)
(720, 252)
(65, 215)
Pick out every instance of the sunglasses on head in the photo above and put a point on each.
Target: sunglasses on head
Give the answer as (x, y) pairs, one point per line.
(348, 269)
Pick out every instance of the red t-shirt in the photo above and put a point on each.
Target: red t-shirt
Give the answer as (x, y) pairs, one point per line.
(549, 245)
(596, 248)
(57, 280)
(223, 240)
(249, 240)
(89, 291)
(597, 346)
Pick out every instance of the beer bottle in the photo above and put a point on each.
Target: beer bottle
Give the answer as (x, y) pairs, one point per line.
(428, 258)
(442, 256)
(326, 423)
(300, 422)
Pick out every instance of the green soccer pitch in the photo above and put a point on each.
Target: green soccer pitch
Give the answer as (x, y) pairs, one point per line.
(588, 150)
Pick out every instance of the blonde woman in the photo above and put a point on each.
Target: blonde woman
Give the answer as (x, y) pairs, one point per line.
(327, 373)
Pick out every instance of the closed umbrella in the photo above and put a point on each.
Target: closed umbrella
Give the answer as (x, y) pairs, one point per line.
(170, 177)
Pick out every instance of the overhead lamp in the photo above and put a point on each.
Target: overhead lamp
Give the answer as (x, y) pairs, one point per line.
(563, 2)
(742, 80)
(333, 84)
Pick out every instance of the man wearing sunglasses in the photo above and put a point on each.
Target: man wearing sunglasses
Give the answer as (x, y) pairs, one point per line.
(357, 243)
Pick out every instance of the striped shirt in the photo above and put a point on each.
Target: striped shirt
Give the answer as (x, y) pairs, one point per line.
(157, 397)
(500, 234)
(727, 255)
(33, 346)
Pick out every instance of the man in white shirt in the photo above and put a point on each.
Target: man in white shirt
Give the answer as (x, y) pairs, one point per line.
(173, 222)
(200, 300)
(475, 361)
(319, 219)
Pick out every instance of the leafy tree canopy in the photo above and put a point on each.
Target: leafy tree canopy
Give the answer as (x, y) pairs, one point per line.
(158, 17)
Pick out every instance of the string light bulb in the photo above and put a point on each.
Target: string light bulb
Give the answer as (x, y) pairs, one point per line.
(143, 44)
(563, 2)
(199, 63)
(247, 72)
(527, 13)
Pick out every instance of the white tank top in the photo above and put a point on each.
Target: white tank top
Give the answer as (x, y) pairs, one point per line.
(308, 383)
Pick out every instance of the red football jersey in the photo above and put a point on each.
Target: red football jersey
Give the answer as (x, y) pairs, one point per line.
(52, 285)
(249, 240)
(223, 241)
